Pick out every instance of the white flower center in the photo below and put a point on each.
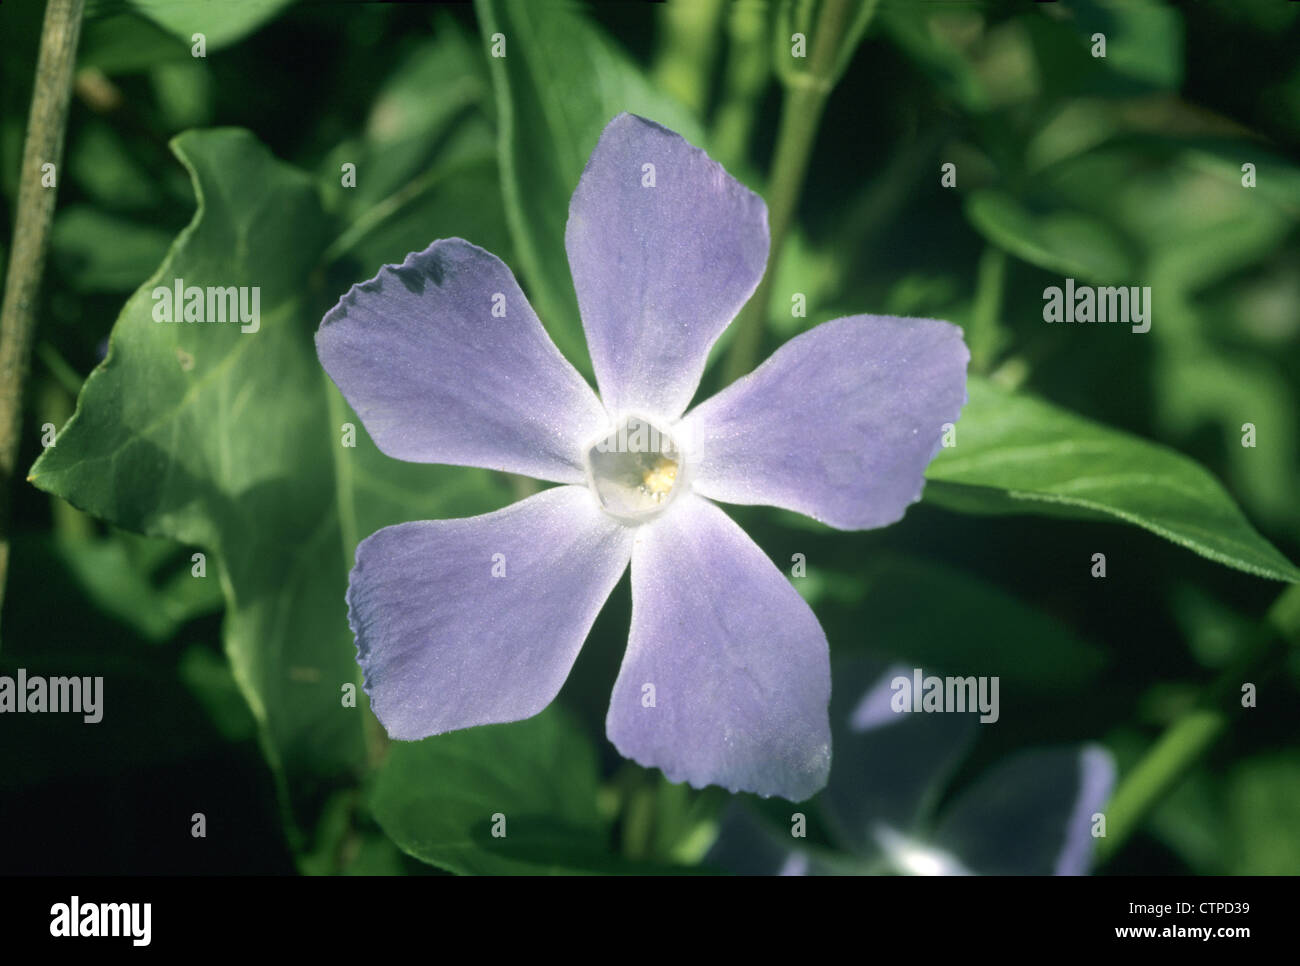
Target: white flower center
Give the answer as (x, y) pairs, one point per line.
(634, 469)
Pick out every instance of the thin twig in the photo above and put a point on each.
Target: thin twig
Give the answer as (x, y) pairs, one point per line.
(44, 145)
(801, 111)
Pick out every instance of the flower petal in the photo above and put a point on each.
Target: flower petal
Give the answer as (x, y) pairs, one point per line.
(1032, 813)
(1097, 774)
(659, 270)
(478, 621)
(437, 377)
(738, 663)
(910, 856)
(749, 845)
(891, 767)
(840, 423)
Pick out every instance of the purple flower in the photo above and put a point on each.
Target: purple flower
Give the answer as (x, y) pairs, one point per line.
(726, 676)
(886, 807)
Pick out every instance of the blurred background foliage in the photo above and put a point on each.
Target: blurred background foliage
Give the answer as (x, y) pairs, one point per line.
(221, 692)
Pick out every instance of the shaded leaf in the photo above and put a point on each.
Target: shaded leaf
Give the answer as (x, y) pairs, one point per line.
(1070, 242)
(100, 252)
(438, 799)
(222, 22)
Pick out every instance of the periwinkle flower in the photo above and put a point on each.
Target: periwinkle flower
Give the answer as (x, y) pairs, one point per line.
(887, 807)
(726, 677)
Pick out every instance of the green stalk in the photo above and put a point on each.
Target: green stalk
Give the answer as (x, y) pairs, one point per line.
(1157, 774)
(35, 214)
(801, 112)
(684, 61)
(985, 336)
(746, 75)
(1189, 738)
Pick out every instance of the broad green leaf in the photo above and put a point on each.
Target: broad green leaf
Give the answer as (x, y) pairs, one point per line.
(233, 442)
(439, 799)
(560, 82)
(200, 432)
(222, 22)
(1016, 454)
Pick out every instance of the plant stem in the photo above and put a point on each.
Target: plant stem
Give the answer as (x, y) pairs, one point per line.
(1158, 773)
(684, 61)
(985, 336)
(805, 99)
(35, 213)
(1194, 733)
(745, 77)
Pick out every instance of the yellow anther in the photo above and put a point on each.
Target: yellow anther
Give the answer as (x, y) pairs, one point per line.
(659, 479)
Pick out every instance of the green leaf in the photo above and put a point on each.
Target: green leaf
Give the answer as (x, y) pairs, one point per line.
(1263, 810)
(425, 167)
(406, 129)
(1144, 40)
(344, 844)
(560, 82)
(1178, 204)
(920, 32)
(208, 679)
(186, 93)
(115, 175)
(222, 22)
(1057, 240)
(155, 604)
(1205, 387)
(438, 798)
(1144, 49)
(123, 42)
(232, 442)
(100, 252)
(1016, 454)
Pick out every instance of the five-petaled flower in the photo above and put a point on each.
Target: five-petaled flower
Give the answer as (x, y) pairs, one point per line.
(726, 676)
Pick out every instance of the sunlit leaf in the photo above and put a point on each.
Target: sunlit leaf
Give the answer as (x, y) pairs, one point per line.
(1017, 454)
